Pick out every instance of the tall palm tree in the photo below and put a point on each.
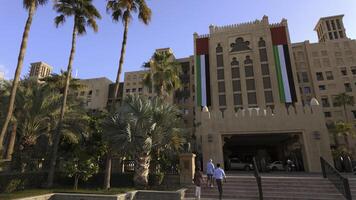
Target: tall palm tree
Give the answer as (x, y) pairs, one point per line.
(164, 74)
(122, 10)
(84, 14)
(344, 100)
(30, 6)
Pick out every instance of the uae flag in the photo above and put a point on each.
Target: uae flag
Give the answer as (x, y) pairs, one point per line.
(282, 59)
(202, 72)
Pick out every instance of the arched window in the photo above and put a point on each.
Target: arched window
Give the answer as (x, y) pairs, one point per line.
(234, 62)
(219, 48)
(262, 42)
(248, 60)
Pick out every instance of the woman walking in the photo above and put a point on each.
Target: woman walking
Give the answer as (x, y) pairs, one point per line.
(198, 181)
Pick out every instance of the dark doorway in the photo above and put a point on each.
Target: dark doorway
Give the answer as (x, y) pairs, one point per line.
(272, 151)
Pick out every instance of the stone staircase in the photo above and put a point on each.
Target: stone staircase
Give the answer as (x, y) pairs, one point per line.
(274, 187)
(352, 182)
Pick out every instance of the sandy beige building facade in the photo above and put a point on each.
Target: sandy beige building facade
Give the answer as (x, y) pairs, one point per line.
(246, 82)
(40, 70)
(327, 69)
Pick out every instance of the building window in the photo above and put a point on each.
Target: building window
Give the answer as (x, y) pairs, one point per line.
(325, 102)
(139, 89)
(235, 72)
(263, 55)
(248, 60)
(236, 85)
(220, 60)
(327, 114)
(335, 35)
(222, 100)
(353, 70)
(251, 98)
(333, 24)
(341, 34)
(221, 74)
(234, 61)
(305, 77)
(249, 71)
(265, 69)
(97, 92)
(219, 49)
(82, 93)
(331, 35)
(354, 113)
(348, 87)
(221, 86)
(134, 90)
(329, 75)
(266, 83)
(250, 84)
(338, 23)
(237, 99)
(319, 76)
(322, 87)
(307, 90)
(261, 43)
(268, 96)
(328, 25)
(343, 71)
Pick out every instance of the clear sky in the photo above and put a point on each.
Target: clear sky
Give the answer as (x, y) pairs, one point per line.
(173, 24)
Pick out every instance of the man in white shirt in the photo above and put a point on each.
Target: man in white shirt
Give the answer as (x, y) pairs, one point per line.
(210, 172)
(219, 175)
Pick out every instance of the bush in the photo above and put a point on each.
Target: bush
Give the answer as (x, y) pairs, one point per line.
(18, 181)
(155, 179)
(13, 185)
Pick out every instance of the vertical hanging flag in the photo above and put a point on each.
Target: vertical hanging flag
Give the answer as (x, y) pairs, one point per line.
(284, 70)
(202, 72)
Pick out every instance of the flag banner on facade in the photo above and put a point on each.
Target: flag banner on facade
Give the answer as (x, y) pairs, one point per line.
(202, 72)
(282, 59)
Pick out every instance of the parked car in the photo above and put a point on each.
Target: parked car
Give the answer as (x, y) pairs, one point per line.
(276, 166)
(237, 164)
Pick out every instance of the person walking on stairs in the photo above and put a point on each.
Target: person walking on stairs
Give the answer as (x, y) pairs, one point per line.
(209, 173)
(198, 181)
(219, 176)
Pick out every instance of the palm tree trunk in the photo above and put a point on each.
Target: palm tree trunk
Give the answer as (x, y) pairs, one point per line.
(60, 123)
(107, 178)
(76, 180)
(10, 148)
(142, 165)
(122, 57)
(16, 80)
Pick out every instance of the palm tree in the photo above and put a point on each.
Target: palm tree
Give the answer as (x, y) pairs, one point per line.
(343, 129)
(30, 6)
(122, 10)
(344, 100)
(164, 74)
(84, 14)
(139, 126)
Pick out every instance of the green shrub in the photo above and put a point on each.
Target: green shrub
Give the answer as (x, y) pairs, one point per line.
(13, 185)
(155, 179)
(22, 180)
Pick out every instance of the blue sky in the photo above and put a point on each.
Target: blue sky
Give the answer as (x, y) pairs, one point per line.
(173, 24)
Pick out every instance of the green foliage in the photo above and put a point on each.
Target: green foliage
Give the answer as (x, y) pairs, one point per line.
(13, 185)
(123, 10)
(164, 74)
(84, 13)
(19, 181)
(155, 179)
